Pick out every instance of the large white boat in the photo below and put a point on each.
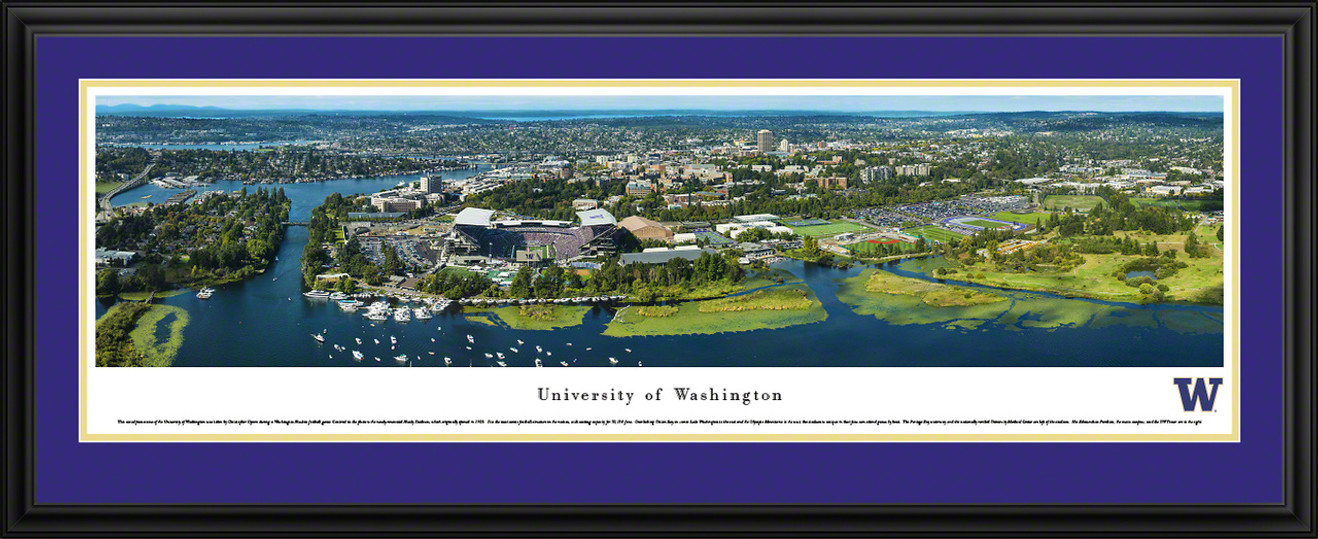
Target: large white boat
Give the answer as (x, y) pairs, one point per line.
(205, 293)
(349, 305)
(401, 359)
(318, 337)
(378, 311)
(338, 296)
(402, 314)
(357, 355)
(317, 294)
(421, 314)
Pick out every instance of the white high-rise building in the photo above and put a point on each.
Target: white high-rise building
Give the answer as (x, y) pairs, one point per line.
(783, 146)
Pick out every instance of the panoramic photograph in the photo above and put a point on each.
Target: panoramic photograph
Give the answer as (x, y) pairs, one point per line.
(617, 231)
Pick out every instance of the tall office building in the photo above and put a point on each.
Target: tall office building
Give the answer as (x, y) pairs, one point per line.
(432, 184)
(764, 141)
(783, 146)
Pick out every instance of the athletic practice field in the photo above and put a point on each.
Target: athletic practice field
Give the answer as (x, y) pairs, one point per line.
(1075, 202)
(974, 224)
(831, 229)
(931, 232)
(1028, 218)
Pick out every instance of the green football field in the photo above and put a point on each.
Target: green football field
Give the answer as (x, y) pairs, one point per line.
(1075, 202)
(985, 224)
(837, 227)
(931, 232)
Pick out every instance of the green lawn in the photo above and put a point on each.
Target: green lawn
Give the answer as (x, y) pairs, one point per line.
(105, 187)
(933, 232)
(1075, 202)
(1029, 218)
(1094, 278)
(838, 227)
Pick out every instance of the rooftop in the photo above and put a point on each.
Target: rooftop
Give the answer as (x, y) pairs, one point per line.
(595, 217)
(474, 217)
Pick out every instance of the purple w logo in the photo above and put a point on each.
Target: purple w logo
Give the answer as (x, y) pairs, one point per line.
(1200, 396)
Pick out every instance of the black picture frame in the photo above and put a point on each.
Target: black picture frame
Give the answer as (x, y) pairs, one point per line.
(24, 21)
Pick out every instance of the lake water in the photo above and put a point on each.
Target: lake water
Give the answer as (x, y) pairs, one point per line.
(266, 321)
(305, 196)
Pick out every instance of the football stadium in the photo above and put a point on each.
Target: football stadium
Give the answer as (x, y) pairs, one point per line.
(476, 234)
(970, 224)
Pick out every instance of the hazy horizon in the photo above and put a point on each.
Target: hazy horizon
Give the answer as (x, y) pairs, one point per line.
(696, 104)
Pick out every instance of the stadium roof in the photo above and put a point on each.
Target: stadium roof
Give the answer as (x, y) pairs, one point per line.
(660, 257)
(474, 217)
(596, 217)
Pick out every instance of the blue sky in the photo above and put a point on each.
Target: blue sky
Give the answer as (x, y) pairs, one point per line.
(712, 103)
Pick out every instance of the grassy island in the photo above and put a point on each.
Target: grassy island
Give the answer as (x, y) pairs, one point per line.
(932, 294)
(907, 301)
(158, 352)
(772, 308)
(542, 317)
